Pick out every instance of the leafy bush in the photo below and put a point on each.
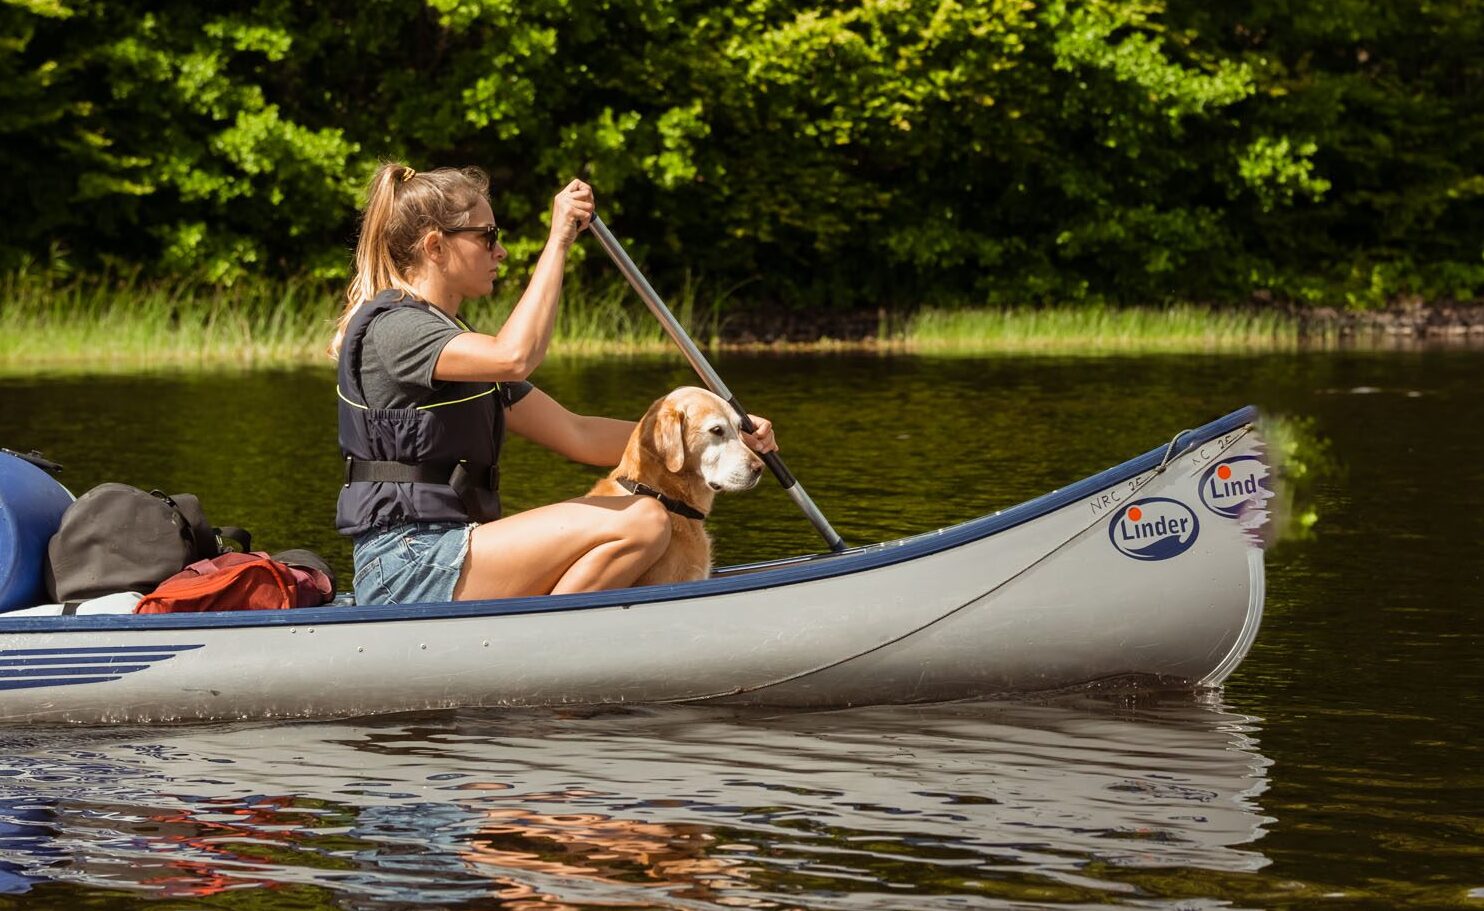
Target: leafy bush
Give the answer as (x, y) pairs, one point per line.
(901, 152)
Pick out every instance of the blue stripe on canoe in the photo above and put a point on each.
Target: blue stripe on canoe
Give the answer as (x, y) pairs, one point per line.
(72, 671)
(82, 659)
(811, 568)
(99, 649)
(28, 684)
(80, 665)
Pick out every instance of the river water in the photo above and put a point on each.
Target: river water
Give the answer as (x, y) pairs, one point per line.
(1340, 767)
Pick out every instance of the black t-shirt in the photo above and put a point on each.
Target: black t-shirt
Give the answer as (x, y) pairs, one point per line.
(400, 352)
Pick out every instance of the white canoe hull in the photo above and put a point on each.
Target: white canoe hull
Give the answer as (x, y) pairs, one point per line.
(1057, 592)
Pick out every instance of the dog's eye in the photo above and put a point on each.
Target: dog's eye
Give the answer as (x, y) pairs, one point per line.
(717, 431)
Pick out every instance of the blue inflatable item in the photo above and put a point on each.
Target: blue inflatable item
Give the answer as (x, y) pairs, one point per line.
(31, 507)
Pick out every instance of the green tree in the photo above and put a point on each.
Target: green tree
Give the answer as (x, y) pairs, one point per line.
(894, 152)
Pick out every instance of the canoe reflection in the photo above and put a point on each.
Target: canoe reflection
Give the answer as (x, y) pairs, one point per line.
(683, 807)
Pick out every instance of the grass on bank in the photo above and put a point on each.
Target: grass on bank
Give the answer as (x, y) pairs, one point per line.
(113, 321)
(126, 322)
(1098, 330)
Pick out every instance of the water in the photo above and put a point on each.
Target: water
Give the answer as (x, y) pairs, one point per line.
(1341, 766)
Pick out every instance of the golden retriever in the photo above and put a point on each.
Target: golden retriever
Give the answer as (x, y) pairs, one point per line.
(688, 446)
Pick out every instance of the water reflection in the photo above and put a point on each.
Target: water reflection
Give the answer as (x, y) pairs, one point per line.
(1366, 671)
(27, 840)
(1074, 801)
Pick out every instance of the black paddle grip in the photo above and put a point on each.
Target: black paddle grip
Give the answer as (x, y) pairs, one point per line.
(780, 470)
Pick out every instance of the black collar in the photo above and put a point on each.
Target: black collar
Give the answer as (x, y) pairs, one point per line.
(679, 507)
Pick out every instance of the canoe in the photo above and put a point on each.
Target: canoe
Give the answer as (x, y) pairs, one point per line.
(1150, 571)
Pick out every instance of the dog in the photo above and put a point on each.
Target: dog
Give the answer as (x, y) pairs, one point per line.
(687, 447)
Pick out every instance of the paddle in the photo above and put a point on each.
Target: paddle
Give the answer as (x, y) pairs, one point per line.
(698, 362)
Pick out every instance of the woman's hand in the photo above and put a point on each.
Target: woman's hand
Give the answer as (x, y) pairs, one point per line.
(571, 211)
(761, 440)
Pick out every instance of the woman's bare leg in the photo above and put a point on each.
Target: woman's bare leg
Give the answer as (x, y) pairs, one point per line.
(586, 544)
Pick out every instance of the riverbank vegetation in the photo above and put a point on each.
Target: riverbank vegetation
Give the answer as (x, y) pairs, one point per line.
(1018, 154)
(129, 322)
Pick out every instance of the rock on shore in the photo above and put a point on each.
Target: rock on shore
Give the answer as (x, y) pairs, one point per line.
(1446, 321)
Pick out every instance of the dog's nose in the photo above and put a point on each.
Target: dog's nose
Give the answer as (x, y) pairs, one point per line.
(714, 485)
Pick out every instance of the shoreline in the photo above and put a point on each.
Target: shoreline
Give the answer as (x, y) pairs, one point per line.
(1314, 327)
(142, 341)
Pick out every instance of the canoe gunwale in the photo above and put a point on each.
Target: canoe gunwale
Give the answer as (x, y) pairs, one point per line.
(730, 580)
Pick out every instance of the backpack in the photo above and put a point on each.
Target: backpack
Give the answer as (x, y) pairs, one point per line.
(119, 538)
(249, 581)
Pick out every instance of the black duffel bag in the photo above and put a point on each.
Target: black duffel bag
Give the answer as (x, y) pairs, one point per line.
(118, 538)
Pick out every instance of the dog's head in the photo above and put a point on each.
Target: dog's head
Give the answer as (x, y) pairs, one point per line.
(693, 430)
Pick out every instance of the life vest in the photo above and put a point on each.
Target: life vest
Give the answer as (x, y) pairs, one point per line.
(437, 462)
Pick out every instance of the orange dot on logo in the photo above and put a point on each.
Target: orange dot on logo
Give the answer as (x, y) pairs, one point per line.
(1135, 513)
(1223, 472)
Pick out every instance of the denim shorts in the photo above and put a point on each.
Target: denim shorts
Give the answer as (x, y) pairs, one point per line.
(410, 564)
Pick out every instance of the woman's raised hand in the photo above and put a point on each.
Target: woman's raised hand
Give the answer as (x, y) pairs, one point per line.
(571, 211)
(761, 440)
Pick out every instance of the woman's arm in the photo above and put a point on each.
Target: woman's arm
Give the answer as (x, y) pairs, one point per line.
(519, 347)
(591, 440)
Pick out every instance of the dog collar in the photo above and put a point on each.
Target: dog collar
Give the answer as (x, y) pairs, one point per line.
(679, 507)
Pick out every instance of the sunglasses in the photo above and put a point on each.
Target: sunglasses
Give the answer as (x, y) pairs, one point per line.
(490, 233)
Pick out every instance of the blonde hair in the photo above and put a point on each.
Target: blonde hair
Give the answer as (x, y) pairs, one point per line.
(402, 207)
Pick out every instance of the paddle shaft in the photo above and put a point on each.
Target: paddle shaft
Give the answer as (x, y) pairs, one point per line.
(713, 381)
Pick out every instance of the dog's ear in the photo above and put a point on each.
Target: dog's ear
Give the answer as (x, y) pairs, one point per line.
(669, 437)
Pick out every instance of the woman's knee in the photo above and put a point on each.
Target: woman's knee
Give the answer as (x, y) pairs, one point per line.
(647, 522)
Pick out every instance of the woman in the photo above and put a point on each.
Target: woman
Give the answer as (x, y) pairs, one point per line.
(425, 401)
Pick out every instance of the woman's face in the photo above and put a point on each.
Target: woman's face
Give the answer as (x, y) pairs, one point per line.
(470, 263)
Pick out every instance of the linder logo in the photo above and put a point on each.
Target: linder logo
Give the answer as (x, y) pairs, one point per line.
(1156, 528)
(1233, 483)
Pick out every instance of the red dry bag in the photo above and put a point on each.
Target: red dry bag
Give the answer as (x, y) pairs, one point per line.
(251, 581)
